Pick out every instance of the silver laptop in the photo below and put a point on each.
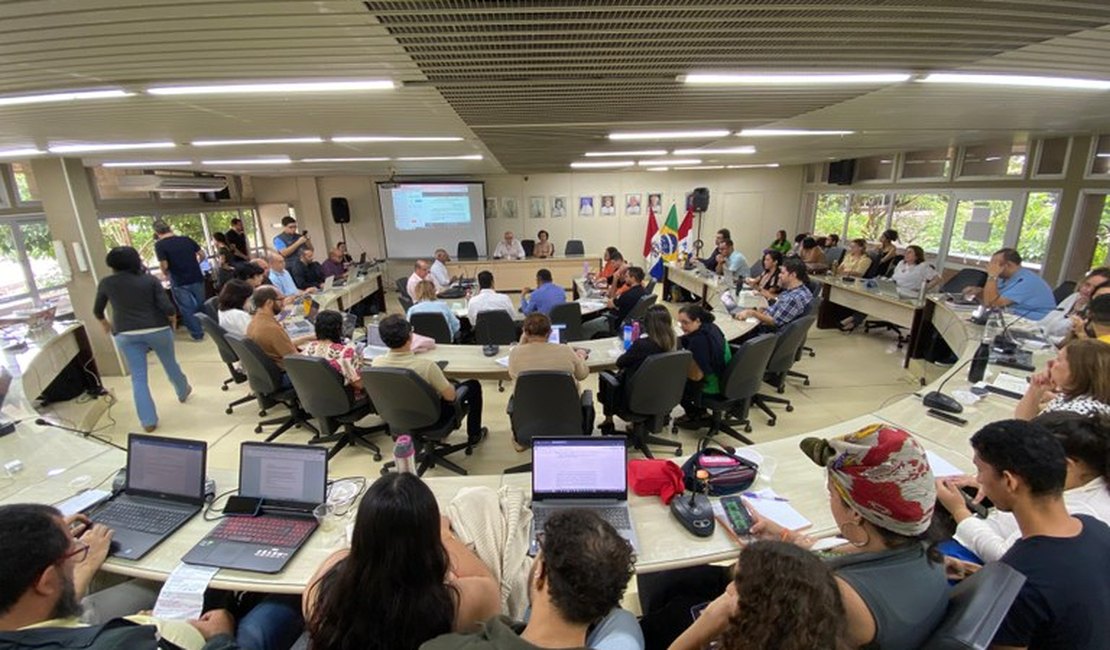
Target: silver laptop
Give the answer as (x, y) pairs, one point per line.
(329, 282)
(558, 333)
(581, 472)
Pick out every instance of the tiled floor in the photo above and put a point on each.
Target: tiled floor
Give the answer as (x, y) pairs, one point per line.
(850, 375)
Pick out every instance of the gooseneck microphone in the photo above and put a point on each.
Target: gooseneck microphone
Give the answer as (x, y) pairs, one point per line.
(43, 422)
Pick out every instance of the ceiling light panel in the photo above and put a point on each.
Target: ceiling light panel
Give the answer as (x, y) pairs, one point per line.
(422, 158)
(275, 87)
(625, 154)
(677, 161)
(670, 135)
(342, 160)
(222, 143)
(793, 79)
(108, 146)
(19, 153)
(759, 133)
(1023, 81)
(46, 98)
(754, 166)
(396, 138)
(141, 164)
(278, 160)
(601, 164)
(728, 151)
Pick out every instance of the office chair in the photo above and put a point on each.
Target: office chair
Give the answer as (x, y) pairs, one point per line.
(1066, 288)
(568, 314)
(495, 327)
(742, 378)
(782, 359)
(433, 326)
(409, 405)
(265, 380)
(650, 286)
(323, 394)
(403, 294)
(814, 309)
(868, 325)
(648, 397)
(639, 310)
(211, 307)
(466, 251)
(227, 355)
(529, 246)
(872, 270)
(963, 279)
(547, 403)
(976, 608)
(574, 248)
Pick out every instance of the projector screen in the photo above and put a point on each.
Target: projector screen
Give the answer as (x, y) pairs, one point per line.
(421, 217)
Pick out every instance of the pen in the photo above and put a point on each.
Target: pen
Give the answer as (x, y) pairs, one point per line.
(753, 495)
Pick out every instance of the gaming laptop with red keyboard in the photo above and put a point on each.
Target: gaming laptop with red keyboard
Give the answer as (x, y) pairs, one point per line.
(290, 480)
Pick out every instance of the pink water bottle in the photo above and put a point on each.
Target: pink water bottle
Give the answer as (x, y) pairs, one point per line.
(404, 455)
(635, 331)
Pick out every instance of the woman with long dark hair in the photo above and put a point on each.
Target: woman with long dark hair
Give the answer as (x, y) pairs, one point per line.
(660, 338)
(767, 284)
(405, 579)
(711, 353)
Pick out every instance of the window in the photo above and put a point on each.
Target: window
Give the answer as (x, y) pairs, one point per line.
(867, 216)
(221, 222)
(831, 210)
(137, 232)
(994, 159)
(1052, 156)
(875, 168)
(1036, 227)
(919, 219)
(4, 202)
(29, 271)
(930, 164)
(26, 189)
(1100, 161)
(979, 230)
(1102, 238)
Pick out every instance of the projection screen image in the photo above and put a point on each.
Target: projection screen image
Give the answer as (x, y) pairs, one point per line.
(420, 217)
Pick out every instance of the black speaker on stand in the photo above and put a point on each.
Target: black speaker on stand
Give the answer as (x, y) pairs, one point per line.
(341, 214)
(699, 201)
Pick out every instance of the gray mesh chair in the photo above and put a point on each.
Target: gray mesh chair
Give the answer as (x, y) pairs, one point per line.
(467, 251)
(814, 309)
(228, 356)
(639, 310)
(409, 405)
(321, 391)
(790, 339)
(547, 403)
(574, 248)
(211, 308)
(403, 293)
(568, 314)
(433, 326)
(648, 397)
(742, 379)
(976, 608)
(265, 380)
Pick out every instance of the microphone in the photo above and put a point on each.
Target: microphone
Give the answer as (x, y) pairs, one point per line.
(43, 422)
(936, 399)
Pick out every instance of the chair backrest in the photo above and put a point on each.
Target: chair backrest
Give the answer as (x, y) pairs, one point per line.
(744, 374)
(494, 327)
(976, 609)
(1066, 288)
(545, 403)
(568, 314)
(873, 270)
(529, 246)
(887, 270)
(833, 255)
(403, 286)
(640, 309)
(574, 247)
(656, 386)
(218, 335)
(402, 398)
(263, 374)
(466, 250)
(650, 286)
(320, 387)
(790, 338)
(212, 308)
(963, 279)
(432, 325)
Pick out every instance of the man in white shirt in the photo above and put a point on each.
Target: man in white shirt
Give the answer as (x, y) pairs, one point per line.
(440, 275)
(488, 300)
(508, 248)
(421, 271)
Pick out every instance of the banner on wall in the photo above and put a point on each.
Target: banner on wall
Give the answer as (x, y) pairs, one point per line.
(664, 244)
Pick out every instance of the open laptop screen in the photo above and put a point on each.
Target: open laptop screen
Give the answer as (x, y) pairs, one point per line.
(579, 467)
(283, 473)
(556, 335)
(166, 466)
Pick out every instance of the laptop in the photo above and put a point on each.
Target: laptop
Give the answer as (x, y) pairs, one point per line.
(329, 282)
(581, 472)
(557, 333)
(163, 490)
(290, 481)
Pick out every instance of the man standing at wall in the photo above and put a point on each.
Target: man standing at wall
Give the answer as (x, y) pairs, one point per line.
(179, 256)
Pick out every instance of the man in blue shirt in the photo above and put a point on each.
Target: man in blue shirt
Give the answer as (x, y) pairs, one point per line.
(1011, 285)
(289, 242)
(730, 260)
(546, 295)
(180, 257)
(282, 280)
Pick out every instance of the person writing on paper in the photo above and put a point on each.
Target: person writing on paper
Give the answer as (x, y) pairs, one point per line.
(881, 494)
(856, 262)
(792, 303)
(659, 338)
(546, 295)
(1011, 285)
(767, 284)
(425, 302)
(440, 275)
(508, 248)
(1060, 322)
(543, 248)
(1077, 380)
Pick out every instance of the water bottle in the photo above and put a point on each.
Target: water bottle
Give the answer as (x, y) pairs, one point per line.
(635, 331)
(983, 353)
(404, 455)
(627, 336)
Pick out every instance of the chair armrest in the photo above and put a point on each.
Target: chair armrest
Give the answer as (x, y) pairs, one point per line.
(587, 398)
(509, 407)
(608, 378)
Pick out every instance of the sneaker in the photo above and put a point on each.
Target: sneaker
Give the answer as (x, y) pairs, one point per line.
(150, 428)
(188, 392)
(478, 438)
(607, 428)
(692, 423)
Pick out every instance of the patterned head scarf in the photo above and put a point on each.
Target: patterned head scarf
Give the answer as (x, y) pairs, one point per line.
(883, 474)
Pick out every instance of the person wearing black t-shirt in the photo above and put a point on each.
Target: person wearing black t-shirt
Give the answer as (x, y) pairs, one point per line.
(618, 307)
(659, 337)
(179, 257)
(1065, 601)
(237, 242)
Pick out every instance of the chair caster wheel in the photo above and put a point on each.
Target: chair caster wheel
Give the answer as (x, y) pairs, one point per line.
(770, 423)
(227, 410)
(469, 451)
(377, 458)
(805, 383)
(781, 390)
(747, 428)
(678, 452)
(789, 408)
(501, 389)
(384, 471)
(258, 429)
(262, 413)
(224, 387)
(674, 430)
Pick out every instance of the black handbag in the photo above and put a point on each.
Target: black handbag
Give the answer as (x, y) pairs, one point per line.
(728, 473)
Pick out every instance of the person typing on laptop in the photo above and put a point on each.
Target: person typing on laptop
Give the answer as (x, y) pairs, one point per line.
(792, 303)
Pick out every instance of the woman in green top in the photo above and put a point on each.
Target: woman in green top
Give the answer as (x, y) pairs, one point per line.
(781, 243)
(711, 353)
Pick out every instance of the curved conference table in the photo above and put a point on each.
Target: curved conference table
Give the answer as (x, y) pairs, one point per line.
(664, 543)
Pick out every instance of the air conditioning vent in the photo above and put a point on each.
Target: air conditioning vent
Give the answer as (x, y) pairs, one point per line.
(152, 183)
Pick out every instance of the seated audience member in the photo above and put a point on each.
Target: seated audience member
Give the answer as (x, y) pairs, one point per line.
(1013, 286)
(833, 250)
(882, 494)
(1086, 443)
(617, 284)
(659, 337)
(267, 332)
(796, 249)
(425, 302)
(440, 275)
(396, 333)
(262, 263)
(329, 344)
(535, 352)
(813, 256)
(887, 247)
(856, 262)
(611, 261)
(282, 280)
(1078, 380)
(767, 284)
(546, 295)
(224, 268)
(252, 274)
(1060, 321)
(1065, 601)
(232, 302)
(342, 246)
(620, 307)
(544, 247)
(729, 260)
(307, 274)
(781, 244)
(508, 248)
(913, 272)
(781, 597)
(488, 300)
(420, 272)
(384, 594)
(711, 261)
(793, 300)
(575, 588)
(1097, 325)
(333, 267)
(711, 353)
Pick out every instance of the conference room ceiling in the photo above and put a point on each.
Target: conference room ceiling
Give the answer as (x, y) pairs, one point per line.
(532, 86)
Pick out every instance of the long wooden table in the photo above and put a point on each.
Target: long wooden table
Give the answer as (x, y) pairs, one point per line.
(514, 275)
(706, 285)
(840, 297)
(353, 292)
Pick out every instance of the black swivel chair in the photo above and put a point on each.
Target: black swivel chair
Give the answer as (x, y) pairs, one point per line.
(963, 279)
(211, 307)
(782, 360)
(495, 327)
(742, 380)
(650, 286)
(547, 403)
(1066, 288)
(873, 270)
(569, 315)
(976, 608)
(574, 248)
(639, 310)
(323, 394)
(227, 355)
(409, 405)
(265, 380)
(403, 293)
(814, 309)
(903, 336)
(649, 396)
(466, 251)
(433, 326)
(529, 246)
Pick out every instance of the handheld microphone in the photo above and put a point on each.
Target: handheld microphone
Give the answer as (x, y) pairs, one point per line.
(43, 422)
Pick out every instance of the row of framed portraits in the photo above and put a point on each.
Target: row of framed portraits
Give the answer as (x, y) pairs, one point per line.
(557, 207)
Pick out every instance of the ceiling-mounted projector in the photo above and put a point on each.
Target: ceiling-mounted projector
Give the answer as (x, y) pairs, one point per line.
(153, 183)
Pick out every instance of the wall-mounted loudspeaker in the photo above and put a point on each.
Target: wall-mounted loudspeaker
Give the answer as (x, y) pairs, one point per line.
(699, 200)
(340, 210)
(841, 172)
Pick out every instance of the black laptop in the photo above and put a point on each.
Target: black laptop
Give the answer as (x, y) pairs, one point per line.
(290, 480)
(164, 489)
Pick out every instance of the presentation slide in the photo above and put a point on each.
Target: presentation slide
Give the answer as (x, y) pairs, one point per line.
(421, 217)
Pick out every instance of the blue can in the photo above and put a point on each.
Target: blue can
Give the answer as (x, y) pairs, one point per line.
(627, 336)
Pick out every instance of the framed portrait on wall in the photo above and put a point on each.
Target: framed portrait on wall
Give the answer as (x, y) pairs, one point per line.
(536, 205)
(655, 202)
(585, 206)
(508, 208)
(632, 204)
(491, 207)
(558, 207)
(608, 205)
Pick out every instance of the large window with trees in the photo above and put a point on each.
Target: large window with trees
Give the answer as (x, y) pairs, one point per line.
(138, 231)
(29, 271)
(919, 219)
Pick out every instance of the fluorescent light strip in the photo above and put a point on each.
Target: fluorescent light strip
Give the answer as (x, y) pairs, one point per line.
(109, 146)
(280, 160)
(614, 154)
(148, 163)
(754, 166)
(676, 161)
(221, 143)
(756, 133)
(793, 79)
(747, 149)
(1024, 81)
(657, 169)
(275, 87)
(420, 158)
(63, 97)
(17, 153)
(1097, 155)
(703, 167)
(599, 164)
(397, 138)
(670, 135)
(341, 160)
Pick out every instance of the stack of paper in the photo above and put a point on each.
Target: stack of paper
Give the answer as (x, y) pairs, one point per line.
(770, 505)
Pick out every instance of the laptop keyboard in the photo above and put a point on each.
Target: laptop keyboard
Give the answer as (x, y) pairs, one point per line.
(139, 517)
(268, 531)
(617, 516)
